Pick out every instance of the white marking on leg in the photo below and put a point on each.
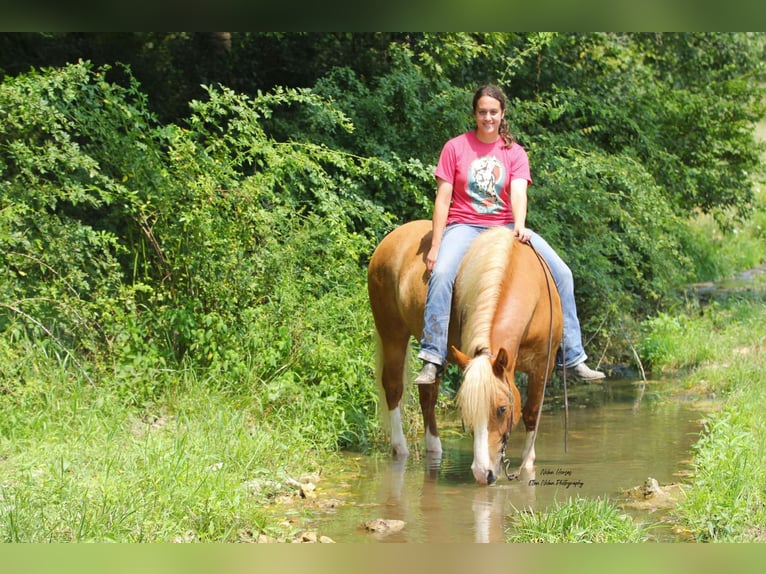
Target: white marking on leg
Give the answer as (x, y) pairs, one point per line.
(433, 443)
(528, 454)
(398, 441)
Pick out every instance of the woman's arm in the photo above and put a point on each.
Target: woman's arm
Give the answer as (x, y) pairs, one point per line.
(441, 211)
(519, 207)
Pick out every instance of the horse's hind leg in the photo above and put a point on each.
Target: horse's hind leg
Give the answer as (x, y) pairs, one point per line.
(392, 359)
(428, 395)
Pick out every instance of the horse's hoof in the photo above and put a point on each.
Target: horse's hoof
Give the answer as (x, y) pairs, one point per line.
(433, 444)
(401, 452)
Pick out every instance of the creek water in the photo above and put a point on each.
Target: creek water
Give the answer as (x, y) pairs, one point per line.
(615, 436)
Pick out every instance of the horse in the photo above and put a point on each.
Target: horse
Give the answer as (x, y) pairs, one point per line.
(506, 317)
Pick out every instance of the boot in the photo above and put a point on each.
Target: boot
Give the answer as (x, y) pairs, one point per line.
(585, 373)
(428, 374)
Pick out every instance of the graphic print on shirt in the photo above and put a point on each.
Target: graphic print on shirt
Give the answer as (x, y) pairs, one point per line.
(485, 182)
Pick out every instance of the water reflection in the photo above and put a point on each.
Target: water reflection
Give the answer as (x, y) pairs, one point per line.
(615, 436)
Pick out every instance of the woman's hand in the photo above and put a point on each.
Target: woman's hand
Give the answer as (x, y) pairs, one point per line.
(431, 258)
(522, 234)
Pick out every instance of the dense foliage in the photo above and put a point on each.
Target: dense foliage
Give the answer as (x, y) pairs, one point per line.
(177, 199)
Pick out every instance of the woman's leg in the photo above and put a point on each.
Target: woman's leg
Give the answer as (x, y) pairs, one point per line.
(455, 242)
(571, 342)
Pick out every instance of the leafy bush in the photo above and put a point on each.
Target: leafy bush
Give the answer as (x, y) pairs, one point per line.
(230, 239)
(149, 246)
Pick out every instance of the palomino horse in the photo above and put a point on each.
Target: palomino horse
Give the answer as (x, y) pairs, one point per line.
(506, 316)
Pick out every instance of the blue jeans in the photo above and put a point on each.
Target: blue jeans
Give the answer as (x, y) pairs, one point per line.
(455, 242)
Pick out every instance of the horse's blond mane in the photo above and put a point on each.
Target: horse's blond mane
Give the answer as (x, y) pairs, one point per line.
(477, 290)
(475, 392)
(478, 286)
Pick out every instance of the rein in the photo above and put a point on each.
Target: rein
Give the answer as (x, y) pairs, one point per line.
(504, 460)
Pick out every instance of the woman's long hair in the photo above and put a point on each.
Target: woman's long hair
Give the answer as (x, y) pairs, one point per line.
(496, 93)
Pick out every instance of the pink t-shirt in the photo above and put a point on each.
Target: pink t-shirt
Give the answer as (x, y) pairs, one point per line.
(481, 176)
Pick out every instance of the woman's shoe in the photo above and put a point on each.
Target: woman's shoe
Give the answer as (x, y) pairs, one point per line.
(585, 373)
(428, 374)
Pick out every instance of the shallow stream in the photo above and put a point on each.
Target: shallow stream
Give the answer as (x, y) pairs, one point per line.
(616, 435)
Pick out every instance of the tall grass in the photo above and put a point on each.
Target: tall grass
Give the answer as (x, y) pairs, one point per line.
(720, 350)
(79, 463)
(726, 497)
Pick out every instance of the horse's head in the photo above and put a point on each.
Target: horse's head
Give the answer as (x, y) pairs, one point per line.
(490, 404)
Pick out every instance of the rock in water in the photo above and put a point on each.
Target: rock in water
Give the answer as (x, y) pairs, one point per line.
(383, 526)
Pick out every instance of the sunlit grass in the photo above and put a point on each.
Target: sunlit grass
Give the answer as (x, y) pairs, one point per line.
(576, 520)
(78, 464)
(726, 500)
(721, 352)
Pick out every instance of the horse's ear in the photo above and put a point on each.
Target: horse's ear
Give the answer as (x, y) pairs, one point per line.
(462, 358)
(500, 363)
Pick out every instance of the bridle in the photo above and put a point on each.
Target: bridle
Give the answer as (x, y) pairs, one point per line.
(504, 460)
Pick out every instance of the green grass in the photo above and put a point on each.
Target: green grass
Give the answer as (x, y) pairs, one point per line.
(576, 520)
(720, 351)
(726, 498)
(78, 464)
(674, 343)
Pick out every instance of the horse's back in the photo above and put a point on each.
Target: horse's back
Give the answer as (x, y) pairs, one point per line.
(505, 281)
(397, 282)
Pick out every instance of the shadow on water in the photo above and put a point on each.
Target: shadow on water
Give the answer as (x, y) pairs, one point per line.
(615, 436)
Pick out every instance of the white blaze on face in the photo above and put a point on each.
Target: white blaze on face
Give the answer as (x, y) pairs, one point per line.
(481, 460)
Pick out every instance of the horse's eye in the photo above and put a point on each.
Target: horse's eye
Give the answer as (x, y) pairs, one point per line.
(500, 412)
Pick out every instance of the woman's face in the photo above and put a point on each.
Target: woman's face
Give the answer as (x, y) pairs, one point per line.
(488, 114)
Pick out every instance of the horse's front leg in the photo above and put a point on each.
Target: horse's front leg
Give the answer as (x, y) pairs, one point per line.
(428, 395)
(528, 452)
(527, 456)
(535, 389)
(398, 440)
